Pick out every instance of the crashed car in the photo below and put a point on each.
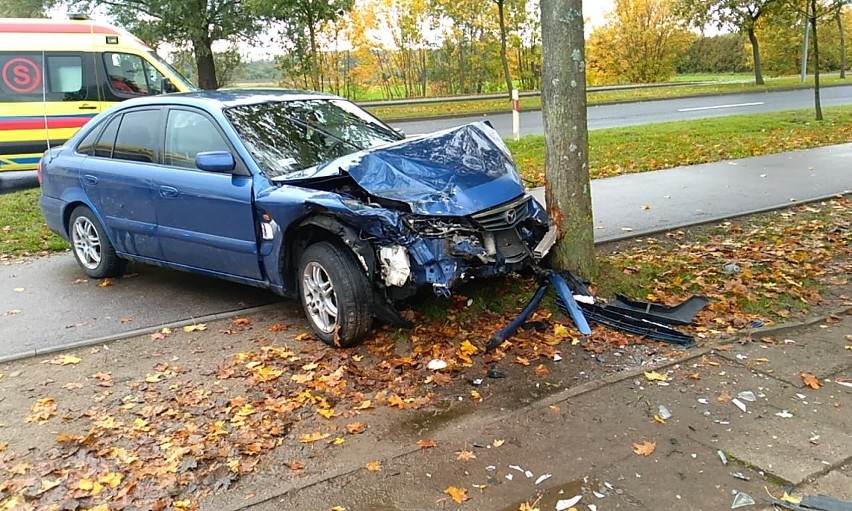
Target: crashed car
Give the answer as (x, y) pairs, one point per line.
(301, 193)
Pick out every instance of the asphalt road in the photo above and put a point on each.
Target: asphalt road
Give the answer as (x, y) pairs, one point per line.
(632, 114)
(47, 303)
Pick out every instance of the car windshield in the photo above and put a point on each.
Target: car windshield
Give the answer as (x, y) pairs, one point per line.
(286, 137)
(186, 84)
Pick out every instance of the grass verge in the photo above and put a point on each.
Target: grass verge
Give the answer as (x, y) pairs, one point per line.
(24, 232)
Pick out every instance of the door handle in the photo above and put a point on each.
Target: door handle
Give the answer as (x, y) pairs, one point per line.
(90, 180)
(87, 106)
(168, 192)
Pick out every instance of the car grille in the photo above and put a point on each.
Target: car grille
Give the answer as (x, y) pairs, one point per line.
(504, 217)
(510, 246)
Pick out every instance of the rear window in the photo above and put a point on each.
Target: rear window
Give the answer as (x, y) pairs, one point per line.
(34, 76)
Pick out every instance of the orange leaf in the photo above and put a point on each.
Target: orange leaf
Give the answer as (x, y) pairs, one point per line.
(426, 443)
(458, 494)
(646, 448)
(356, 427)
(542, 371)
(374, 466)
(465, 455)
(811, 381)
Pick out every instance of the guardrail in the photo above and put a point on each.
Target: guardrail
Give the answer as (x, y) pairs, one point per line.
(526, 94)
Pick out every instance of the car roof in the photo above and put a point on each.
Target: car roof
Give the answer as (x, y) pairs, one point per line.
(227, 98)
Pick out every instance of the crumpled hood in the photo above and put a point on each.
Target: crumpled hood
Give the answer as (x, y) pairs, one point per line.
(455, 172)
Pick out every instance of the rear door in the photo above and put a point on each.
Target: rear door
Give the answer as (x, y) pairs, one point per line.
(45, 97)
(118, 177)
(206, 219)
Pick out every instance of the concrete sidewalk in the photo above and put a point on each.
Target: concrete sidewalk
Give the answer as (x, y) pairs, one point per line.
(58, 309)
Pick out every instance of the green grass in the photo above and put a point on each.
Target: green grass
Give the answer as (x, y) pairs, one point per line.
(22, 228)
(663, 145)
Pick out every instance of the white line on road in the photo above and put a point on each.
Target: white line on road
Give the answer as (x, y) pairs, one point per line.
(718, 106)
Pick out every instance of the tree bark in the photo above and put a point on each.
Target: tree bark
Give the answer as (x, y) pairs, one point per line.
(567, 187)
(314, 60)
(206, 65)
(755, 51)
(503, 56)
(813, 21)
(839, 18)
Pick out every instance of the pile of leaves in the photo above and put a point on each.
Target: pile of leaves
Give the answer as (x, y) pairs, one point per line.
(169, 434)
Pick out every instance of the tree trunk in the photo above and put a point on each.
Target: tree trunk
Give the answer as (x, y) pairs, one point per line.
(312, 35)
(567, 187)
(813, 20)
(205, 64)
(838, 16)
(755, 51)
(503, 56)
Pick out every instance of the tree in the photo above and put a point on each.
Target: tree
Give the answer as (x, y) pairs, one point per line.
(727, 14)
(640, 43)
(567, 188)
(838, 16)
(24, 8)
(195, 24)
(503, 52)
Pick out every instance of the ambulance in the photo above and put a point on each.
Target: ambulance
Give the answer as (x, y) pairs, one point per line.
(55, 75)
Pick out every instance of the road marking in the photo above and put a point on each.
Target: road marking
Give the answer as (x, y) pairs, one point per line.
(718, 106)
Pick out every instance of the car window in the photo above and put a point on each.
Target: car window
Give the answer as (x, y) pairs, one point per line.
(88, 143)
(127, 74)
(137, 137)
(103, 148)
(187, 134)
(285, 137)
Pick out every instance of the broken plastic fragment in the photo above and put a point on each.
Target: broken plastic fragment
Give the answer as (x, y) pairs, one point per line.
(509, 476)
(722, 456)
(747, 395)
(562, 505)
(592, 507)
(739, 404)
(598, 495)
(741, 476)
(528, 474)
(665, 413)
(542, 478)
(844, 383)
(436, 364)
(784, 414)
(515, 467)
(742, 500)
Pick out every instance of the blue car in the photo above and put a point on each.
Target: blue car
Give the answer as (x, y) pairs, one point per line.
(301, 193)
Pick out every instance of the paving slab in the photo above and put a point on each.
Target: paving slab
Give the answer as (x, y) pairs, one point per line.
(837, 484)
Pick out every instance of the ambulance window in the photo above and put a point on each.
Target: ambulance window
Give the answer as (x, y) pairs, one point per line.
(126, 74)
(65, 74)
(155, 79)
(104, 146)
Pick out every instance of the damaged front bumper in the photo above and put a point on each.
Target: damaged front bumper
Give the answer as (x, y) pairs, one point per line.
(443, 251)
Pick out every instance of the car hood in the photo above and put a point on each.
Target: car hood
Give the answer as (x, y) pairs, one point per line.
(455, 172)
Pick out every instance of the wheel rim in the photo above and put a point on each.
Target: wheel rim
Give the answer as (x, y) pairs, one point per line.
(319, 297)
(87, 243)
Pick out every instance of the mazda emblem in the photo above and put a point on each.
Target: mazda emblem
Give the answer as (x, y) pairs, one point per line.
(510, 216)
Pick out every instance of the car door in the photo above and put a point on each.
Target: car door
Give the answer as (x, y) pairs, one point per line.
(117, 178)
(206, 219)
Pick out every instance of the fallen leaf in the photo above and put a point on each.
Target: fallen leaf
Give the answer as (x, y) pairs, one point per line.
(72, 385)
(105, 283)
(811, 380)
(295, 465)
(242, 322)
(497, 443)
(356, 428)
(339, 441)
(458, 494)
(523, 361)
(42, 410)
(327, 412)
(646, 448)
(364, 405)
(374, 466)
(199, 327)
(104, 379)
(542, 371)
(66, 360)
(426, 443)
(655, 376)
(465, 455)
(724, 397)
(278, 327)
(476, 395)
(313, 437)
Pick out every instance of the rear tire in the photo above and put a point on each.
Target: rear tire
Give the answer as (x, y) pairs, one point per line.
(91, 246)
(335, 293)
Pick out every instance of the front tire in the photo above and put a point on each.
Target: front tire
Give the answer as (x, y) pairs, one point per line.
(336, 295)
(92, 248)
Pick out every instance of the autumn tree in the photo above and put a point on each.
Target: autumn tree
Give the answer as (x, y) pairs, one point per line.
(24, 8)
(567, 188)
(640, 42)
(731, 14)
(504, 57)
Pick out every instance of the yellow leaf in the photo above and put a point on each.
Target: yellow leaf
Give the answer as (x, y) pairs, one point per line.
(791, 499)
(339, 441)
(66, 360)
(153, 378)
(646, 448)
(99, 507)
(655, 376)
(465, 455)
(659, 419)
(112, 479)
(86, 484)
(811, 381)
(327, 412)
(313, 437)
(374, 466)
(364, 405)
(200, 327)
(497, 443)
(458, 494)
(105, 283)
(182, 504)
(476, 395)
(468, 348)
(3, 447)
(338, 508)
(310, 366)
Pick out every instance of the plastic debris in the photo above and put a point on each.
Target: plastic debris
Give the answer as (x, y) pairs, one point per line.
(528, 474)
(598, 494)
(476, 381)
(740, 476)
(515, 467)
(739, 404)
(509, 477)
(491, 468)
(494, 373)
(844, 383)
(747, 395)
(732, 268)
(755, 323)
(436, 365)
(542, 478)
(722, 456)
(784, 414)
(665, 413)
(562, 505)
(592, 507)
(742, 500)
(557, 357)
(702, 400)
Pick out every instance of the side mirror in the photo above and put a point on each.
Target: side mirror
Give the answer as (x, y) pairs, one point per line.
(168, 86)
(215, 161)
